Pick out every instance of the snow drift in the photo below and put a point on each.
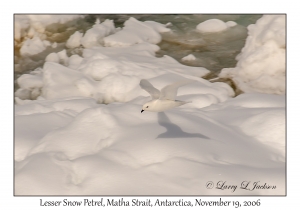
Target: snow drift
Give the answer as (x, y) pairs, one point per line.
(261, 64)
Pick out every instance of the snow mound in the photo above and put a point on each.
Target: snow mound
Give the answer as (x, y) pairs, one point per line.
(189, 57)
(212, 26)
(261, 116)
(82, 133)
(135, 32)
(74, 40)
(253, 100)
(59, 57)
(109, 75)
(30, 81)
(94, 36)
(34, 46)
(26, 125)
(60, 81)
(74, 61)
(52, 57)
(268, 127)
(261, 64)
(30, 85)
(231, 23)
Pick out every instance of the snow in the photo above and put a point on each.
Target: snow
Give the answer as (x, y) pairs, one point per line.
(29, 81)
(135, 32)
(74, 40)
(70, 142)
(88, 149)
(52, 57)
(211, 26)
(34, 46)
(231, 23)
(95, 35)
(261, 64)
(59, 57)
(34, 25)
(269, 128)
(75, 61)
(111, 74)
(264, 120)
(189, 57)
(214, 26)
(63, 57)
(79, 129)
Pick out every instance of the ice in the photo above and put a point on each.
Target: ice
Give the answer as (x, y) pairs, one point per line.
(34, 25)
(74, 40)
(34, 46)
(212, 50)
(231, 23)
(189, 57)
(98, 72)
(22, 94)
(63, 57)
(30, 85)
(135, 32)
(36, 36)
(59, 57)
(75, 61)
(52, 57)
(212, 26)
(94, 36)
(29, 81)
(21, 25)
(60, 81)
(261, 64)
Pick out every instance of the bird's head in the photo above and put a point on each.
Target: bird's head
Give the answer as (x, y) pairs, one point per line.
(146, 106)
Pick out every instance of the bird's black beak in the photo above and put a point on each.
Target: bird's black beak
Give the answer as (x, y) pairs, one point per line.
(142, 111)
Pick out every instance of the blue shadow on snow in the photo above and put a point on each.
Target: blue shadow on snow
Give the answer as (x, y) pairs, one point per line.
(173, 130)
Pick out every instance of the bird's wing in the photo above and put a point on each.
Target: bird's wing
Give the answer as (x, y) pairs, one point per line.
(146, 85)
(170, 91)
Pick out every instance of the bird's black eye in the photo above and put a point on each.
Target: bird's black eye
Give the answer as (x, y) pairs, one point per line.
(147, 106)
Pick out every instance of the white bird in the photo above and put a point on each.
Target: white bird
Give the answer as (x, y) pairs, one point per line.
(164, 99)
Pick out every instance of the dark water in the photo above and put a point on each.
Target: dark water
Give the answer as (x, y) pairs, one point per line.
(213, 51)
